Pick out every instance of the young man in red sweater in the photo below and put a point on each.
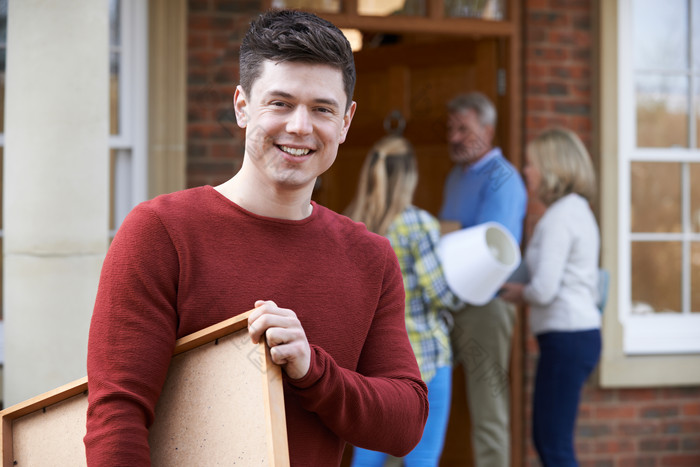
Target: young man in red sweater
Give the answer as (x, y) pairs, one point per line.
(328, 295)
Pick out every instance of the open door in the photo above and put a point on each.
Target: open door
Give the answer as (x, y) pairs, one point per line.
(417, 75)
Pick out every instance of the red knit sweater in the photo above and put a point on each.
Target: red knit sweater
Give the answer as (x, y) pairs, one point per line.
(187, 260)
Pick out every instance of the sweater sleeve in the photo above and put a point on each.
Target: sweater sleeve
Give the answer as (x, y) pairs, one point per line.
(365, 407)
(131, 340)
(548, 261)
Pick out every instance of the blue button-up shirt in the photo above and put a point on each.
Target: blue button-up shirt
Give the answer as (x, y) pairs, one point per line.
(491, 189)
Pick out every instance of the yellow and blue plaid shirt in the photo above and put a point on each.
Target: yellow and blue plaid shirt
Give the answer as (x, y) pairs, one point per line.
(414, 235)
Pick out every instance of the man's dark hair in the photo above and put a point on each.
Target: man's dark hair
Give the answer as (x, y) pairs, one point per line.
(295, 36)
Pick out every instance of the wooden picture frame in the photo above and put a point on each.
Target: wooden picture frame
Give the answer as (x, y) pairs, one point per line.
(222, 400)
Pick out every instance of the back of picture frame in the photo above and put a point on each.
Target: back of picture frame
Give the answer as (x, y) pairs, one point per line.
(222, 401)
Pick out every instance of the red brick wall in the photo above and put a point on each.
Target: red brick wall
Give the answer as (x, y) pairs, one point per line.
(214, 142)
(616, 427)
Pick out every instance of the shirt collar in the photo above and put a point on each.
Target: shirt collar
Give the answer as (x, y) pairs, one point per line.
(494, 152)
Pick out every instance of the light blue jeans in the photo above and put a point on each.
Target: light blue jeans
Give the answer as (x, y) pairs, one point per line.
(427, 452)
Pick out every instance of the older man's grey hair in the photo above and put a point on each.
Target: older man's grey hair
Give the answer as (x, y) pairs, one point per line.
(479, 103)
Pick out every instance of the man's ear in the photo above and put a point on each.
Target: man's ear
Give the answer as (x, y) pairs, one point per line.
(347, 119)
(240, 103)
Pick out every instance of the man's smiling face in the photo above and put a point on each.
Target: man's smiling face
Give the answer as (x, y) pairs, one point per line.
(295, 119)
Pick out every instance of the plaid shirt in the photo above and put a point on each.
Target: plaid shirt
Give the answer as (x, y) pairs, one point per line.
(414, 235)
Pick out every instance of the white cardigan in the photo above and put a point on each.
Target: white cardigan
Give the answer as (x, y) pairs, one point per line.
(562, 259)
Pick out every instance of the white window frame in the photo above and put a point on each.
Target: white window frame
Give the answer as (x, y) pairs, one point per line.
(655, 334)
(131, 144)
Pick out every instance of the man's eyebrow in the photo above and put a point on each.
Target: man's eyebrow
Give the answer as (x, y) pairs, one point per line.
(320, 100)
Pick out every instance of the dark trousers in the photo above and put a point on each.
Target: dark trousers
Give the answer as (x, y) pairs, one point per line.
(566, 360)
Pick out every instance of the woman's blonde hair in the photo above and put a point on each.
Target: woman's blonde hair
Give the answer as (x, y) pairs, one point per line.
(564, 163)
(387, 182)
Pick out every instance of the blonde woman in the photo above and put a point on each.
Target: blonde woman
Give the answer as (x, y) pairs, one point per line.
(383, 203)
(562, 259)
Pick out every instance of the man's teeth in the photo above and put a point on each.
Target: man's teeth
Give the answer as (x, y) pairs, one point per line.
(295, 151)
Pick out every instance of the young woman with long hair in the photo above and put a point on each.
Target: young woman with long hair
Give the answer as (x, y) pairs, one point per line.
(383, 203)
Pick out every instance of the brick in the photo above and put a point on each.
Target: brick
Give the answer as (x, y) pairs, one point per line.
(597, 463)
(196, 150)
(228, 75)
(197, 40)
(637, 462)
(592, 430)
(239, 6)
(636, 428)
(562, 38)
(691, 409)
(211, 168)
(197, 114)
(614, 446)
(615, 412)
(572, 4)
(638, 394)
(659, 412)
(659, 444)
(681, 393)
(536, 35)
(691, 444)
(681, 460)
(538, 104)
(546, 19)
(548, 53)
(581, 21)
(681, 426)
(572, 108)
(224, 151)
(557, 89)
(579, 72)
(203, 58)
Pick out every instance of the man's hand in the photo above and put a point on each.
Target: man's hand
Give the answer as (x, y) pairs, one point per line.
(512, 292)
(289, 347)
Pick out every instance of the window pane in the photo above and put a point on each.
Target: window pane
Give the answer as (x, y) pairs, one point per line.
(695, 197)
(114, 24)
(656, 277)
(485, 9)
(3, 48)
(112, 173)
(655, 197)
(114, 93)
(3, 22)
(2, 177)
(323, 6)
(660, 34)
(696, 34)
(695, 277)
(2, 254)
(662, 111)
(391, 7)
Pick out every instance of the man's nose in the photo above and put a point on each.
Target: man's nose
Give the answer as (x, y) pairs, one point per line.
(454, 136)
(300, 121)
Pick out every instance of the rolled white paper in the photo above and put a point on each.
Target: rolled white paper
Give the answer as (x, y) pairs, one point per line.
(478, 260)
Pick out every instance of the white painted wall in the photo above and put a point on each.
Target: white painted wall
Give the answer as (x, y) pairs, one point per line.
(55, 189)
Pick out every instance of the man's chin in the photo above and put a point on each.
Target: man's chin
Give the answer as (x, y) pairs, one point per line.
(462, 158)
